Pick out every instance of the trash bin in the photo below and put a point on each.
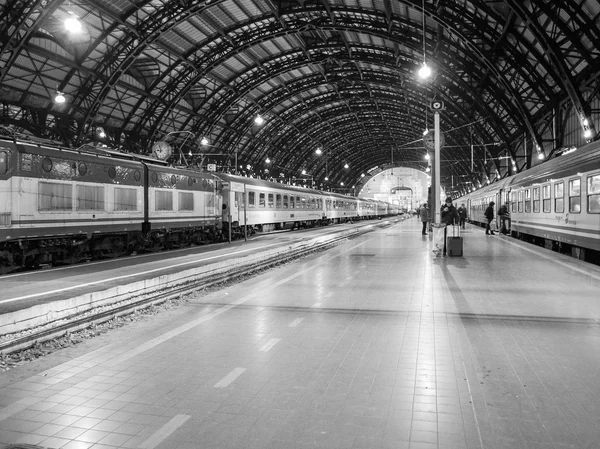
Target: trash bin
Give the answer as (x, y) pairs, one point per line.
(438, 238)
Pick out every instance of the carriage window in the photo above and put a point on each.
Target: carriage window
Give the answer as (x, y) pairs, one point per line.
(303, 199)
(559, 197)
(513, 201)
(164, 200)
(186, 201)
(527, 200)
(285, 201)
(125, 199)
(261, 200)
(575, 195)
(520, 201)
(593, 194)
(251, 199)
(90, 197)
(292, 202)
(536, 199)
(313, 203)
(298, 203)
(3, 162)
(271, 200)
(54, 196)
(546, 198)
(278, 201)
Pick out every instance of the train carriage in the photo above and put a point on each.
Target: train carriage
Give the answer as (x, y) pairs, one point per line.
(265, 206)
(340, 208)
(555, 204)
(47, 194)
(184, 206)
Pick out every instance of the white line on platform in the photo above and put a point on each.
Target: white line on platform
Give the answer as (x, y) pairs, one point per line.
(164, 432)
(118, 278)
(233, 375)
(269, 344)
(296, 322)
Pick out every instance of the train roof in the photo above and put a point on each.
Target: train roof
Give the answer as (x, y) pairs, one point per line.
(87, 149)
(583, 159)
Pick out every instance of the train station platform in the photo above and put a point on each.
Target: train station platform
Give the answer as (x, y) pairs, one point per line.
(375, 343)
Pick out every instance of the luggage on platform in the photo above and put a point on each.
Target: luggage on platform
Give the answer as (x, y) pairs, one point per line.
(454, 242)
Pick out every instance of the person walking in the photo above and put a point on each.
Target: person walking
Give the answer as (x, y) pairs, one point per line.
(462, 215)
(489, 215)
(424, 215)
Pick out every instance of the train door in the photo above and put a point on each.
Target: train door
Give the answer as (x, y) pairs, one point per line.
(6, 190)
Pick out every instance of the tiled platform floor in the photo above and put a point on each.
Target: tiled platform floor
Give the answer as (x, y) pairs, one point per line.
(373, 344)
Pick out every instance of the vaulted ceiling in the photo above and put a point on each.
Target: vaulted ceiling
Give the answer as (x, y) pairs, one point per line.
(340, 75)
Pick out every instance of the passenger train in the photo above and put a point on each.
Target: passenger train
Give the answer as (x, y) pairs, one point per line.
(555, 204)
(60, 205)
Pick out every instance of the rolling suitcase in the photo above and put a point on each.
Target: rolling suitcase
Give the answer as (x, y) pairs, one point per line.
(454, 242)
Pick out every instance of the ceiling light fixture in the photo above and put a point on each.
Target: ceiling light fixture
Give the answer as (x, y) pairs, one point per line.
(59, 98)
(424, 71)
(72, 24)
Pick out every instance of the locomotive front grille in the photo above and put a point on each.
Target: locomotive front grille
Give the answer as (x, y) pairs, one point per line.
(5, 219)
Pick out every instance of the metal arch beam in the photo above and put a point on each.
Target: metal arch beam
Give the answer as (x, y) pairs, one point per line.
(223, 54)
(333, 100)
(291, 64)
(16, 17)
(559, 63)
(291, 85)
(518, 104)
(92, 94)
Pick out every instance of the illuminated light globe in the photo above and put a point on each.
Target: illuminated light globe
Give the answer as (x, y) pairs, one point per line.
(59, 98)
(73, 25)
(424, 71)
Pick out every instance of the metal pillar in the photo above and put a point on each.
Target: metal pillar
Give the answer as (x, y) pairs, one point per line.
(436, 171)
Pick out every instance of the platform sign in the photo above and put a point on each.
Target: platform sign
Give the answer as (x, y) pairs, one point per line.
(234, 186)
(211, 167)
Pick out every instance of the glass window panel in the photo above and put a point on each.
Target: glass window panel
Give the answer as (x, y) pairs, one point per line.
(285, 201)
(186, 201)
(164, 200)
(3, 162)
(251, 199)
(536, 199)
(593, 190)
(125, 199)
(575, 187)
(90, 197)
(54, 196)
(593, 184)
(261, 200)
(271, 201)
(278, 201)
(575, 195)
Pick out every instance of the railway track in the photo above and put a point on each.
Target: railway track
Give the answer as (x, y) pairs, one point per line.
(180, 287)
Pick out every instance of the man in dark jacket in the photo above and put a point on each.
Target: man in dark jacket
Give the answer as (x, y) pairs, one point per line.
(489, 215)
(504, 219)
(449, 217)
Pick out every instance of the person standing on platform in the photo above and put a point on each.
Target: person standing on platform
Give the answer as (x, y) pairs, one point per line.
(504, 219)
(424, 215)
(448, 218)
(489, 215)
(462, 215)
